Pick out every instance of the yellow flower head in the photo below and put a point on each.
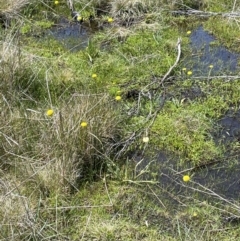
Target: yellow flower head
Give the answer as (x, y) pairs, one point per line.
(210, 66)
(118, 97)
(83, 124)
(110, 20)
(79, 18)
(186, 178)
(145, 139)
(184, 69)
(189, 72)
(56, 2)
(49, 112)
(189, 32)
(94, 76)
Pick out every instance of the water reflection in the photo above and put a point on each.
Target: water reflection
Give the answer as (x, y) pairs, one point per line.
(205, 53)
(73, 36)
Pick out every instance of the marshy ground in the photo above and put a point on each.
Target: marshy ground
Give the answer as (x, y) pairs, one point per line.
(125, 126)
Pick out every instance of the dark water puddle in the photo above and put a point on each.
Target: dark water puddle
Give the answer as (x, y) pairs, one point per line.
(73, 35)
(192, 93)
(229, 127)
(221, 176)
(205, 53)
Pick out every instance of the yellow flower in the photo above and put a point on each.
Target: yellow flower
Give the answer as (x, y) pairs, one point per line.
(189, 32)
(56, 2)
(84, 124)
(186, 178)
(145, 139)
(189, 72)
(94, 76)
(195, 214)
(118, 92)
(49, 112)
(79, 18)
(110, 20)
(210, 66)
(118, 97)
(184, 69)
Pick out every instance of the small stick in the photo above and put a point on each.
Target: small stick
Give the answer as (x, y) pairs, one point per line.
(85, 229)
(176, 62)
(156, 196)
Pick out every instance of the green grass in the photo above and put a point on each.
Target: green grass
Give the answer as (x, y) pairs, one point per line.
(227, 34)
(63, 181)
(184, 126)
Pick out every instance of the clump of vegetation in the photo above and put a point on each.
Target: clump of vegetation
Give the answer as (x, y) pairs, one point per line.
(10, 8)
(81, 132)
(184, 131)
(229, 36)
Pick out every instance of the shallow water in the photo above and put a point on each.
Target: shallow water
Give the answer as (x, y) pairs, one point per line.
(221, 176)
(73, 36)
(217, 177)
(229, 127)
(205, 52)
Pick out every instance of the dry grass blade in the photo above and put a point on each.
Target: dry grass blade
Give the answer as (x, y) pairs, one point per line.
(10, 8)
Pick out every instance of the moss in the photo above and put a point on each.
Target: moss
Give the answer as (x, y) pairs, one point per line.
(102, 182)
(128, 206)
(219, 6)
(227, 31)
(184, 130)
(141, 56)
(184, 127)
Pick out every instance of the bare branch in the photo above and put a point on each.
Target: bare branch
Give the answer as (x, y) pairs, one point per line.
(199, 13)
(176, 62)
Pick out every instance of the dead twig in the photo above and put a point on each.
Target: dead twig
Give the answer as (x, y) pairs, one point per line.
(226, 77)
(203, 165)
(85, 229)
(199, 13)
(79, 207)
(176, 62)
(156, 196)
